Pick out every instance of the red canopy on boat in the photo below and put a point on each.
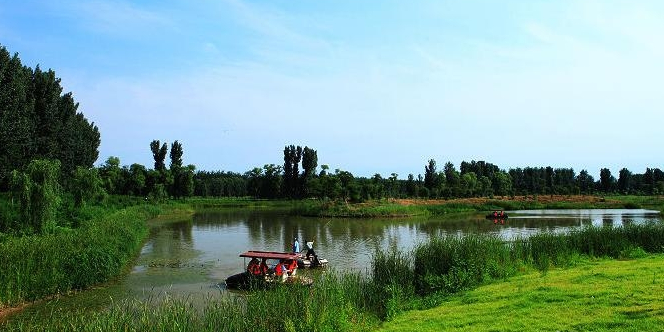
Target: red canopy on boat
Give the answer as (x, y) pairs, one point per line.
(270, 254)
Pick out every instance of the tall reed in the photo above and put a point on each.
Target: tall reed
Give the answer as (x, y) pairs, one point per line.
(451, 264)
(33, 267)
(334, 304)
(391, 283)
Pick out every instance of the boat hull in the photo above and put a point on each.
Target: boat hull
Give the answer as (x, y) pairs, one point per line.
(247, 281)
(308, 263)
(491, 216)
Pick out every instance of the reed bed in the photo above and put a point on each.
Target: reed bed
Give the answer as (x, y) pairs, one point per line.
(334, 305)
(452, 264)
(37, 266)
(340, 209)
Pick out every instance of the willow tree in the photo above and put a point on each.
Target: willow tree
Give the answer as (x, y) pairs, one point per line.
(86, 185)
(38, 194)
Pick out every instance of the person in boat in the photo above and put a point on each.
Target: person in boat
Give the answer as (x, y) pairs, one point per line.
(254, 267)
(281, 270)
(296, 246)
(495, 214)
(311, 254)
(263, 267)
(291, 265)
(502, 213)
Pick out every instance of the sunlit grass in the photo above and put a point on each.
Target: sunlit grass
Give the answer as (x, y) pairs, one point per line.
(596, 295)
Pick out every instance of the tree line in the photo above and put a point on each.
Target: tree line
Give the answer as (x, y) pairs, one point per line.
(472, 179)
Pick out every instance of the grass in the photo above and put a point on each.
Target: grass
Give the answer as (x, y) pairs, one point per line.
(37, 266)
(450, 265)
(596, 295)
(332, 306)
(422, 207)
(200, 203)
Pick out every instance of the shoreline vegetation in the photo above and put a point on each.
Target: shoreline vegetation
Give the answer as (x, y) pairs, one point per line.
(429, 207)
(592, 295)
(39, 266)
(44, 266)
(102, 247)
(402, 284)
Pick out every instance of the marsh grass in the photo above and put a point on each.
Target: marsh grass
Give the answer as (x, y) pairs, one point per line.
(390, 208)
(37, 266)
(341, 209)
(336, 304)
(449, 265)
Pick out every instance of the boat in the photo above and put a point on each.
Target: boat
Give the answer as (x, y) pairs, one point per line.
(267, 278)
(497, 215)
(306, 261)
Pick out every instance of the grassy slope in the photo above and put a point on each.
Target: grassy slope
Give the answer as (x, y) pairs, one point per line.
(593, 296)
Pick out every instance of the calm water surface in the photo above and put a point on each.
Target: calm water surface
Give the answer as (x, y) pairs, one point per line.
(192, 257)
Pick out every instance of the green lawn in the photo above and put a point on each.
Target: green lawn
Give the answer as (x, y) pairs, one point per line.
(599, 295)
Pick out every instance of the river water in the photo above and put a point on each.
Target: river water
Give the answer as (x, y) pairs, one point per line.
(191, 257)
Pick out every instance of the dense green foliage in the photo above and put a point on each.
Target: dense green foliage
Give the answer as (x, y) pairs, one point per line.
(38, 121)
(296, 185)
(37, 191)
(452, 264)
(219, 184)
(473, 179)
(41, 265)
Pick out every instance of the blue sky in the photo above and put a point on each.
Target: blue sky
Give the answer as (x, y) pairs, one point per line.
(373, 86)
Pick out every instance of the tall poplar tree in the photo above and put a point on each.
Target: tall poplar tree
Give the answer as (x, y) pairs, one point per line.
(39, 122)
(430, 175)
(309, 164)
(159, 155)
(605, 180)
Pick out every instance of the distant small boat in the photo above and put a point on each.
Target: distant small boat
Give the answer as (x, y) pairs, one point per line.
(497, 215)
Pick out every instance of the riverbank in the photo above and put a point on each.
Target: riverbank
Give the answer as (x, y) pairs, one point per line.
(43, 267)
(427, 207)
(595, 294)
